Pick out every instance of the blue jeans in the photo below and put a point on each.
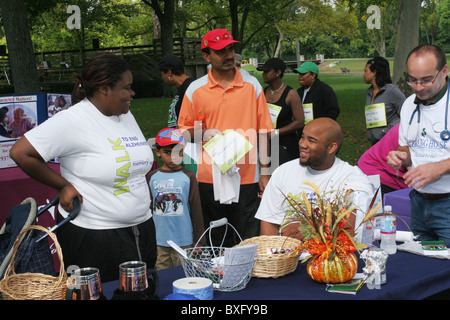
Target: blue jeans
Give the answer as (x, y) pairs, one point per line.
(430, 219)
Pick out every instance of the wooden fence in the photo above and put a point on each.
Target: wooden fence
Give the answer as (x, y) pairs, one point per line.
(58, 66)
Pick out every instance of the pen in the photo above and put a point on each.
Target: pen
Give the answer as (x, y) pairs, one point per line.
(397, 171)
(361, 284)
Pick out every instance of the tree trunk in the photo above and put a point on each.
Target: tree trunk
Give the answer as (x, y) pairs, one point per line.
(22, 60)
(279, 48)
(156, 26)
(166, 21)
(297, 52)
(234, 15)
(407, 39)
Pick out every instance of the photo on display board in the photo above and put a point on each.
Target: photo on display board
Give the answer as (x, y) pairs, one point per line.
(16, 119)
(18, 114)
(57, 102)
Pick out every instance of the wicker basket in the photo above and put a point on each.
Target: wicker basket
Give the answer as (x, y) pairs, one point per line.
(274, 265)
(33, 286)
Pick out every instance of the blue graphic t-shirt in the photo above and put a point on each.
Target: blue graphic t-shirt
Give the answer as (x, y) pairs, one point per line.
(170, 207)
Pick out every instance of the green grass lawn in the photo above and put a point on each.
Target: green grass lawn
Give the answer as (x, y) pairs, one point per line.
(356, 66)
(151, 113)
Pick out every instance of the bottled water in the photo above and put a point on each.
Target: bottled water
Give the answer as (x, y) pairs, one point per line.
(388, 230)
(369, 232)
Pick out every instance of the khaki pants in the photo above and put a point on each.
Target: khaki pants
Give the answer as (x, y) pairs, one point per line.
(168, 257)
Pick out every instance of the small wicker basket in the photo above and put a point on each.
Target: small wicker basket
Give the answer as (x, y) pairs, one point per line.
(271, 265)
(33, 286)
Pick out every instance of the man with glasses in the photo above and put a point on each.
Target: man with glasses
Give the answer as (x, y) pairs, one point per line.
(227, 98)
(424, 143)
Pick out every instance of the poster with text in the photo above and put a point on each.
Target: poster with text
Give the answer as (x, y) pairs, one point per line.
(18, 114)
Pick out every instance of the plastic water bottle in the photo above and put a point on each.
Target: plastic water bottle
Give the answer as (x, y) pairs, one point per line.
(388, 230)
(368, 233)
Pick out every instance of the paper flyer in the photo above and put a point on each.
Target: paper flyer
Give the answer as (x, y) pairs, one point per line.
(238, 264)
(227, 149)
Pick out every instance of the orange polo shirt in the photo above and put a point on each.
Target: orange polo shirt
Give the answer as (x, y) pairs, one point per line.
(241, 107)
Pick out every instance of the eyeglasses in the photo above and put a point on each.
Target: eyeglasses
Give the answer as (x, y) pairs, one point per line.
(424, 83)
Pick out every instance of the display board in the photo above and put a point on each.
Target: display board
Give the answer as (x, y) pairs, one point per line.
(21, 113)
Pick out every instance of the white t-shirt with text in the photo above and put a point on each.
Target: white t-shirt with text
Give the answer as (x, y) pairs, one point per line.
(104, 158)
(289, 178)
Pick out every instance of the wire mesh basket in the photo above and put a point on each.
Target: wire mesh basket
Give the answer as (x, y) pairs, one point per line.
(209, 262)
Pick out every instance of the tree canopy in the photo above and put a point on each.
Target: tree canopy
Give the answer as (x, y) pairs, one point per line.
(334, 28)
(266, 28)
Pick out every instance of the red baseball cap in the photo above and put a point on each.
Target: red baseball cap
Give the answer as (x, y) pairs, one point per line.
(169, 136)
(217, 39)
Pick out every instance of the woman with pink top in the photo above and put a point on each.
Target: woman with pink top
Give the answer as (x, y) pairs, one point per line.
(373, 161)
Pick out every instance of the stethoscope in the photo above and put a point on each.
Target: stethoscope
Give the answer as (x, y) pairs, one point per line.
(445, 134)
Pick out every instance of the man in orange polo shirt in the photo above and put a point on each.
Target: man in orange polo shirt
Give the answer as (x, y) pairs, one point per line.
(225, 99)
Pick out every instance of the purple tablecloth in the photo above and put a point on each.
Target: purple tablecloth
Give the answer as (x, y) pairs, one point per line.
(409, 276)
(16, 186)
(401, 205)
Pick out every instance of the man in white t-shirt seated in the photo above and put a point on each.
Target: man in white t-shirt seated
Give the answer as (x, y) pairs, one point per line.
(320, 141)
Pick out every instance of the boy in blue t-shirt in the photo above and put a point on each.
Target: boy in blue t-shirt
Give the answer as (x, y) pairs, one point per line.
(175, 199)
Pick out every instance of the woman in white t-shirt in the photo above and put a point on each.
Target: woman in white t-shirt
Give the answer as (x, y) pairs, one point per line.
(104, 160)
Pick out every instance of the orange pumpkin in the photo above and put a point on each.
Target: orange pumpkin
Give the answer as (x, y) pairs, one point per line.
(338, 269)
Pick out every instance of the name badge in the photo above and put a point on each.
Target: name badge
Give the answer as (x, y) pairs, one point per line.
(375, 115)
(274, 111)
(308, 112)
